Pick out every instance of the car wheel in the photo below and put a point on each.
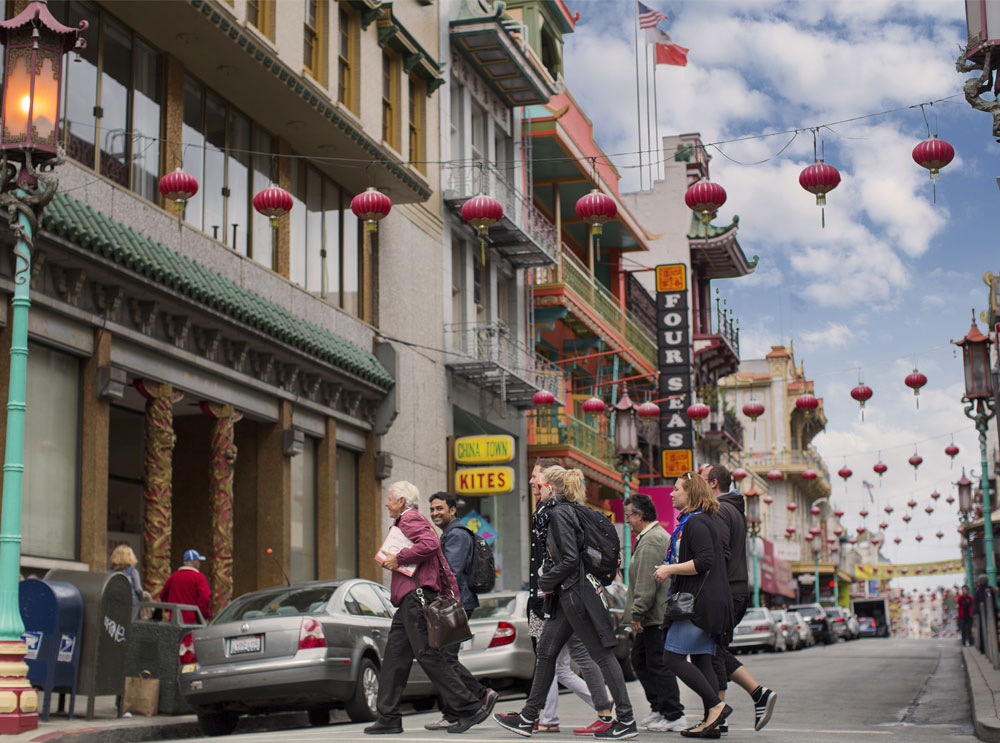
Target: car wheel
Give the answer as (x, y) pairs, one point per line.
(218, 723)
(361, 706)
(318, 716)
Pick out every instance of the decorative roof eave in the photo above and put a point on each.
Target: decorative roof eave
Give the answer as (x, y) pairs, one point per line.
(534, 87)
(416, 59)
(704, 237)
(407, 176)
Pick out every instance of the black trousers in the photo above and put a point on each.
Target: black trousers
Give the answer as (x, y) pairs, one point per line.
(698, 675)
(965, 624)
(724, 662)
(659, 684)
(471, 682)
(408, 640)
(569, 618)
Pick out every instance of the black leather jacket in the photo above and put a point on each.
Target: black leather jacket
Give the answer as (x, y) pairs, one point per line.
(563, 567)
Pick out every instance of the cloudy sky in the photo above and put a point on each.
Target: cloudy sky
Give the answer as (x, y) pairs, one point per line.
(893, 276)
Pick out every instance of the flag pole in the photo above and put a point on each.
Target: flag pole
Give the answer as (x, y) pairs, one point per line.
(650, 76)
(638, 103)
(656, 121)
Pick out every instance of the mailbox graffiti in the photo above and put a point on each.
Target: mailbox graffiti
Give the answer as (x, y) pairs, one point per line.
(115, 631)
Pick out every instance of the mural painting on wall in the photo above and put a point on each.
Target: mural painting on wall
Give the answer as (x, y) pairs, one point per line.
(673, 342)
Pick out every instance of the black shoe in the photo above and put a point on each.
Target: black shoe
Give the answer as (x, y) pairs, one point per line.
(464, 723)
(383, 727)
(443, 724)
(713, 734)
(763, 708)
(723, 729)
(515, 723)
(490, 701)
(619, 730)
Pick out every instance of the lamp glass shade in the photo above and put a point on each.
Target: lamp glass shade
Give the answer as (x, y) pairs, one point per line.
(753, 509)
(31, 100)
(965, 496)
(626, 433)
(978, 376)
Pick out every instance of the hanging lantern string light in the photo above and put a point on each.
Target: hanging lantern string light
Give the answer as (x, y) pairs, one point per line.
(819, 178)
(482, 212)
(932, 153)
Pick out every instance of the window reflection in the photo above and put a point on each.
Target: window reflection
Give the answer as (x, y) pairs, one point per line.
(262, 236)
(146, 122)
(215, 167)
(238, 181)
(116, 78)
(193, 141)
(81, 89)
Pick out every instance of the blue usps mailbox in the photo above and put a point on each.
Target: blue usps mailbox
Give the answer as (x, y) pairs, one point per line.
(52, 612)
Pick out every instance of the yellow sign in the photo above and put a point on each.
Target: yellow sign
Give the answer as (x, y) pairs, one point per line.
(885, 572)
(671, 277)
(484, 480)
(484, 449)
(677, 462)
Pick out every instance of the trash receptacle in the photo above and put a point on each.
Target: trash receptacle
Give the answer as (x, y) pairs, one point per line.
(154, 647)
(107, 626)
(52, 612)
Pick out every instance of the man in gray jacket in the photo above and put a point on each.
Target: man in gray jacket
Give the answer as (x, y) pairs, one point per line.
(644, 607)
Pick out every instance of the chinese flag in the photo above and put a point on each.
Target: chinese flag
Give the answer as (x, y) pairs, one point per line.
(672, 54)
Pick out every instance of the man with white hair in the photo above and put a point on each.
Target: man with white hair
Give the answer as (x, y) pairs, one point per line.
(408, 632)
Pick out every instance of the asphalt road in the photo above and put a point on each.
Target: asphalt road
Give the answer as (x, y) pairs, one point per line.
(866, 690)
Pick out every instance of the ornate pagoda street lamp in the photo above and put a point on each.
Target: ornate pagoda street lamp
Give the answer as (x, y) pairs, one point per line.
(965, 516)
(752, 497)
(979, 398)
(817, 548)
(627, 450)
(34, 45)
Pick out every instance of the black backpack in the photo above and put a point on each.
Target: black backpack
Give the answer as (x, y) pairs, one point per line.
(482, 574)
(601, 550)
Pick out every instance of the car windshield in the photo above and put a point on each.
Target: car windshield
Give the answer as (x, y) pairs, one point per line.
(496, 606)
(868, 620)
(283, 602)
(755, 615)
(811, 612)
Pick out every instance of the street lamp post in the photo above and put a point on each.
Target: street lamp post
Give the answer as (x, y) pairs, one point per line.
(627, 449)
(981, 408)
(753, 524)
(816, 549)
(34, 46)
(965, 515)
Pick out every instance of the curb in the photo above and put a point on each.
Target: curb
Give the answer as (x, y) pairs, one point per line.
(173, 729)
(984, 711)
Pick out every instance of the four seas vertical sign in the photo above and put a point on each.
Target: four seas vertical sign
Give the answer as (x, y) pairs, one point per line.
(673, 347)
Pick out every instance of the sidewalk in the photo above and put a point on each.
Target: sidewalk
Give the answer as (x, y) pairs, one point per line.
(984, 692)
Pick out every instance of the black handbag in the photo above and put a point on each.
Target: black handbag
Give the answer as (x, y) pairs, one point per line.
(681, 605)
(447, 622)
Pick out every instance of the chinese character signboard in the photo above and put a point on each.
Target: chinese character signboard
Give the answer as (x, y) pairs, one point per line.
(673, 347)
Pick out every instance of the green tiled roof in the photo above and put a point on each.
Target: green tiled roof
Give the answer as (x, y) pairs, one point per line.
(94, 231)
(700, 230)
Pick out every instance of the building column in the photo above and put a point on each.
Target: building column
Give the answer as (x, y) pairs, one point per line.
(173, 118)
(222, 463)
(282, 254)
(369, 513)
(326, 503)
(94, 459)
(274, 499)
(158, 479)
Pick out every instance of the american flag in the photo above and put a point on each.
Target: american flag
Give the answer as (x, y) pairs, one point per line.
(648, 18)
(868, 486)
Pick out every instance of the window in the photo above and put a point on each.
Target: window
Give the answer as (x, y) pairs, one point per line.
(416, 116)
(112, 100)
(303, 513)
(347, 513)
(284, 601)
(345, 48)
(362, 601)
(259, 15)
(311, 38)
(50, 500)
(457, 281)
(457, 119)
(388, 100)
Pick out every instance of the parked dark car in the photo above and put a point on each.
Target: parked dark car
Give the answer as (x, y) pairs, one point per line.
(819, 622)
(838, 617)
(867, 627)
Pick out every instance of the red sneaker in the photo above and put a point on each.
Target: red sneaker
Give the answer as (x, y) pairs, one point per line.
(598, 726)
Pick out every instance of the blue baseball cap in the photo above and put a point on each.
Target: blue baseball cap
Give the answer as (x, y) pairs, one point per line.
(192, 555)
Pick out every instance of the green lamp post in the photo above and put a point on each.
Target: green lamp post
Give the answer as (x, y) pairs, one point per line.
(34, 46)
(965, 515)
(752, 497)
(627, 449)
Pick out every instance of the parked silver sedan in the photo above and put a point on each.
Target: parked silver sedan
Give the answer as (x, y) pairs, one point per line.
(317, 646)
(757, 631)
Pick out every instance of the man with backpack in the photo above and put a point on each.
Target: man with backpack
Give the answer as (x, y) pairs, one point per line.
(470, 559)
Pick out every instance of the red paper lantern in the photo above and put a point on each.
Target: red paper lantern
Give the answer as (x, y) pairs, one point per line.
(919, 538)
(838, 531)
(838, 513)
(371, 205)
(792, 506)
(935, 495)
(880, 469)
(907, 518)
(888, 570)
(178, 186)
(883, 525)
(774, 475)
(911, 503)
(863, 513)
(594, 405)
(933, 154)
(808, 537)
(595, 209)
(273, 202)
(482, 212)
(949, 500)
(853, 540)
(952, 451)
(809, 475)
(897, 540)
(705, 198)
(876, 541)
(648, 410)
(940, 535)
(698, 411)
(861, 530)
(768, 500)
(814, 531)
(753, 410)
(815, 510)
(806, 402)
(862, 393)
(543, 398)
(915, 461)
(831, 540)
(915, 381)
(888, 509)
(904, 570)
(929, 510)
(739, 474)
(845, 473)
(819, 179)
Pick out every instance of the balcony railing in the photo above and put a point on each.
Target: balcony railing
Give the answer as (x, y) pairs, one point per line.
(730, 426)
(573, 274)
(552, 428)
(806, 460)
(525, 236)
(491, 356)
(640, 304)
(728, 327)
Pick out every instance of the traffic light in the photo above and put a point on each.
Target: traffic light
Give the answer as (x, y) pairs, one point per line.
(832, 584)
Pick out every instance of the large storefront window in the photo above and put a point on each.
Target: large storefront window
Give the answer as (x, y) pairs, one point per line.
(50, 491)
(347, 513)
(303, 545)
(112, 100)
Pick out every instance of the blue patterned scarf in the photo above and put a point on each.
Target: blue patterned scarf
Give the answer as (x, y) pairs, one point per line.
(675, 537)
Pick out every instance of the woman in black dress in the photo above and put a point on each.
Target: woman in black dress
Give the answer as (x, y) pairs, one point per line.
(696, 562)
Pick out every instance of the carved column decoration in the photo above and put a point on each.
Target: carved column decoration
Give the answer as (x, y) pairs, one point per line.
(221, 468)
(158, 477)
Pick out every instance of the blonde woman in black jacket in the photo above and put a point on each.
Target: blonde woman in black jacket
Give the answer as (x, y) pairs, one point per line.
(574, 606)
(697, 564)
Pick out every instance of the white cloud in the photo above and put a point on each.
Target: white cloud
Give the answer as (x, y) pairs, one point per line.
(834, 335)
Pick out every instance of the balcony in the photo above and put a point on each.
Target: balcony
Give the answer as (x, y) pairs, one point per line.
(724, 431)
(493, 359)
(556, 434)
(718, 353)
(640, 304)
(794, 463)
(569, 283)
(524, 236)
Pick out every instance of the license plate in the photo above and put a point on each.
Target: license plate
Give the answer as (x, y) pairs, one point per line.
(742, 630)
(246, 644)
